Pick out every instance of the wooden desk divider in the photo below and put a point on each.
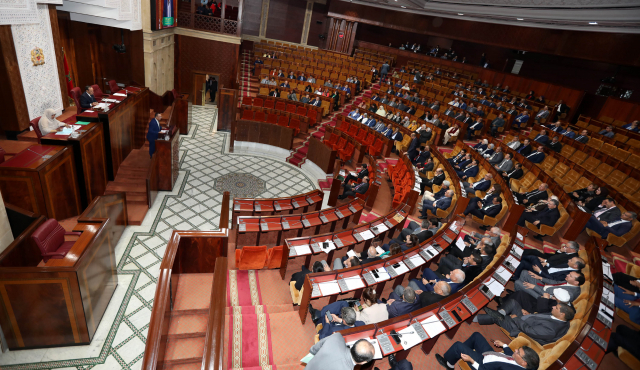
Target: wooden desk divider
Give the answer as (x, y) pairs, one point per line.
(73, 292)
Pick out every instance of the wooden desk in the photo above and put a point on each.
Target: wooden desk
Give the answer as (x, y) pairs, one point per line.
(124, 125)
(42, 180)
(13, 147)
(168, 159)
(63, 302)
(89, 156)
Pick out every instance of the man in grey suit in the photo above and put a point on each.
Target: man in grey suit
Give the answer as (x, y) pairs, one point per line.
(496, 157)
(332, 353)
(506, 165)
(543, 328)
(537, 286)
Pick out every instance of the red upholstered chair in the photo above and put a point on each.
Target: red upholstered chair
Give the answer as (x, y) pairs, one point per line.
(301, 111)
(246, 100)
(267, 103)
(36, 127)
(97, 92)
(283, 121)
(251, 258)
(274, 257)
(257, 102)
(49, 237)
(75, 95)
(113, 86)
(247, 114)
(280, 106)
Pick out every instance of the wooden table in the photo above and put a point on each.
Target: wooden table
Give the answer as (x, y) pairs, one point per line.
(42, 179)
(13, 147)
(89, 156)
(168, 159)
(124, 125)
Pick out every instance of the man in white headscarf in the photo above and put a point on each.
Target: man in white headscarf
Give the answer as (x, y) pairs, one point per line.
(48, 122)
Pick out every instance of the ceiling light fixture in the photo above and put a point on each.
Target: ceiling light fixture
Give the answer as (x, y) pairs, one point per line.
(403, 7)
(520, 19)
(593, 22)
(460, 14)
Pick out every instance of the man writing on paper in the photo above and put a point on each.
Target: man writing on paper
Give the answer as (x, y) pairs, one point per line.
(332, 353)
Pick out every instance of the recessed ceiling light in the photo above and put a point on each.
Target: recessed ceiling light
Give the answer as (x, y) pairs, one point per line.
(520, 19)
(593, 22)
(460, 14)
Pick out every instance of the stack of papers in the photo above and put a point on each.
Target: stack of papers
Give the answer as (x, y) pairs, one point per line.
(102, 105)
(331, 246)
(367, 234)
(376, 346)
(329, 287)
(460, 244)
(401, 269)
(354, 282)
(495, 287)
(380, 250)
(302, 249)
(606, 270)
(416, 260)
(504, 273)
(517, 250)
(433, 326)
(519, 236)
(351, 253)
(118, 94)
(383, 275)
(382, 228)
(409, 337)
(88, 111)
(514, 261)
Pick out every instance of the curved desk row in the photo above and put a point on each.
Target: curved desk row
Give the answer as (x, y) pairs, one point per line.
(272, 206)
(272, 229)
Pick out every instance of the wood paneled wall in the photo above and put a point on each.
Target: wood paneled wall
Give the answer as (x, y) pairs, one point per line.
(251, 10)
(341, 36)
(15, 116)
(316, 29)
(194, 54)
(621, 110)
(91, 57)
(286, 19)
(600, 46)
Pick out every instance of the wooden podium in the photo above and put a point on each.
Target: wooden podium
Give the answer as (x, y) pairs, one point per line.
(42, 179)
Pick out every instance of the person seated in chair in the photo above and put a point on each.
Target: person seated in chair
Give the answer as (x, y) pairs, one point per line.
(521, 119)
(496, 157)
(429, 278)
(424, 231)
(548, 216)
(471, 170)
(345, 319)
(299, 276)
(633, 126)
(87, 99)
(449, 262)
(555, 144)
(477, 202)
(583, 137)
(363, 172)
(479, 355)
(437, 179)
(351, 191)
(402, 301)
(533, 196)
(442, 203)
(482, 185)
(617, 227)
(556, 270)
(541, 327)
(608, 132)
(431, 197)
(603, 214)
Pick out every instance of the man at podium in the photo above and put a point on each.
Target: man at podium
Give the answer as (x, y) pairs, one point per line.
(152, 133)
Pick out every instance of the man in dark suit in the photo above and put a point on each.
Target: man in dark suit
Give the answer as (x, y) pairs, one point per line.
(479, 355)
(363, 172)
(421, 158)
(275, 93)
(153, 132)
(547, 216)
(426, 166)
(482, 185)
(496, 157)
(402, 301)
(437, 179)
(440, 290)
(557, 270)
(497, 123)
(543, 328)
(430, 278)
(525, 148)
(490, 209)
(412, 151)
(353, 190)
(617, 227)
(442, 203)
(515, 173)
(315, 102)
(477, 125)
(542, 138)
(212, 87)
(346, 319)
(471, 170)
(87, 100)
(538, 156)
(555, 144)
(472, 267)
(583, 137)
(567, 251)
(450, 262)
(561, 108)
(533, 196)
(603, 214)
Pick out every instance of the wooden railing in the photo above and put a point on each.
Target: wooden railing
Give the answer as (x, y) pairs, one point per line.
(188, 18)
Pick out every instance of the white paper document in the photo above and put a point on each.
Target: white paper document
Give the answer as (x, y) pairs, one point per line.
(382, 228)
(378, 353)
(401, 269)
(433, 326)
(351, 253)
(608, 295)
(329, 247)
(119, 94)
(454, 227)
(380, 250)
(495, 287)
(517, 250)
(329, 287)
(460, 244)
(606, 270)
(367, 234)
(409, 337)
(417, 260)
(504, 273)
(519, 236)
(302, 249)
(88, 111)
(354, 282)
(382, 273)
(514, 261)
(606, 309)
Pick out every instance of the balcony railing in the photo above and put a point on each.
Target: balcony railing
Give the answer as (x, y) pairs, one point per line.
(188, 18)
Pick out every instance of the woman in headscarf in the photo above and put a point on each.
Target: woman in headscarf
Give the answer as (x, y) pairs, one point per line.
(48, 122)
(381, 112)
(413, 126)
(591, 203)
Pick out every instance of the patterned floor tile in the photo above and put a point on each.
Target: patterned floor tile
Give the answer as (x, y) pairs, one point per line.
(194, 204)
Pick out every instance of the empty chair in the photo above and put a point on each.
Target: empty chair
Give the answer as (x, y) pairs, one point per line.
(75, 94)
(272, 118)
(295, 125)
(251, 258)
(97, 92)
(301, 111)
(283, 121)
(268, 103)
(246, 100)
(36, 128)
(621, 155)
(274, 257)
(257, 102)
(259, 116)
(247, 114)
(291, 108)
(280, 105)
(113, 86)
(49, 237)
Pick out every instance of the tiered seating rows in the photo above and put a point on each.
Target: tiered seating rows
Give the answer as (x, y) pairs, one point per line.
(623, 138)
(273, 206)
(286, 106)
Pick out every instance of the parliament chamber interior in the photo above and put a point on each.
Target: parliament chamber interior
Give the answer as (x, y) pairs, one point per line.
(320, 184)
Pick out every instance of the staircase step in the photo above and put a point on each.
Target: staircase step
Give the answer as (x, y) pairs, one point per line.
(299, 155)
(194, 291)
(295, 161)
(304, 150)
(189, 366)
(126, 187)
(184, 350)
(188, 325)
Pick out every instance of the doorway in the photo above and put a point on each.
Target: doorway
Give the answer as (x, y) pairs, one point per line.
(199, 79)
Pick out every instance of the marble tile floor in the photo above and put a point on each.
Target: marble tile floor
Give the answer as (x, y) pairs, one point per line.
(194, 204)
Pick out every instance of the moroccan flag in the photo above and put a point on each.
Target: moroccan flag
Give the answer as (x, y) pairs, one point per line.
(67, 73)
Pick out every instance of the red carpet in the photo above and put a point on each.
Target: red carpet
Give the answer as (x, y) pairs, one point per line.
(243, 288)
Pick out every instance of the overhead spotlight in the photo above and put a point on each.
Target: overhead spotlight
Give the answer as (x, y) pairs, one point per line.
(593, 22)
(520, 19)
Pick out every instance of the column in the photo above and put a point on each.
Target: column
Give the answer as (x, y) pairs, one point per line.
(264, 16)
(307, 22)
